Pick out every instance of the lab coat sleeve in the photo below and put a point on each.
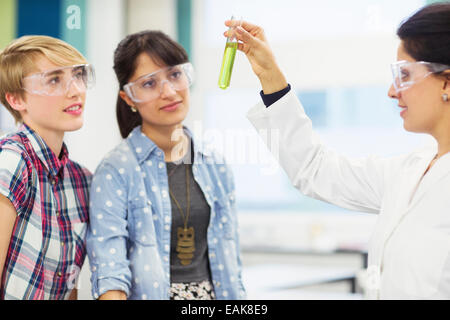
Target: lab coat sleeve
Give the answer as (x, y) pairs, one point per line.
(314, 169)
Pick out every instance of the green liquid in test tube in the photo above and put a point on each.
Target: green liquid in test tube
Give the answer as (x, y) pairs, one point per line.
(228, 60)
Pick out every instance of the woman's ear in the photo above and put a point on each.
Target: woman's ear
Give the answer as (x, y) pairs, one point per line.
(15, 101)
(127, 99)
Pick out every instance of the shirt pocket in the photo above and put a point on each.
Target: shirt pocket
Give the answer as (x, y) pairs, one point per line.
(141, 227)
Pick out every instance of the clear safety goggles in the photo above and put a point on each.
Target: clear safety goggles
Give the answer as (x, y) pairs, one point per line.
(406, 73)
(56, 82)
(150, 86)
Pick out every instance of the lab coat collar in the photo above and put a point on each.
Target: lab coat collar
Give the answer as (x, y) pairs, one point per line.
(437, 172)
(417, 186)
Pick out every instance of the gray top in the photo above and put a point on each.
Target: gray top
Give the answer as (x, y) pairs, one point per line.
(196, 268)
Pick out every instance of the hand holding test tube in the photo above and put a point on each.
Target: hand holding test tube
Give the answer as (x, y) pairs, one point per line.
(253, 43)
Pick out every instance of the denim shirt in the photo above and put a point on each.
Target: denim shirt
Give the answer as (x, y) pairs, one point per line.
(128, 240)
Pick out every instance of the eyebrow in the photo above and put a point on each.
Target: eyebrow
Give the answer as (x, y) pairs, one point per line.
(52, 73)
(75, 69)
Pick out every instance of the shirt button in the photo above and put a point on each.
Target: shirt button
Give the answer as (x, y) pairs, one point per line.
(57, 213)
(59, 274)
(62, 244)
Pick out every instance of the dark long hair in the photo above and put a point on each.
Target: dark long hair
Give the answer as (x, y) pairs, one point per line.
(426, 34)
(161, 48)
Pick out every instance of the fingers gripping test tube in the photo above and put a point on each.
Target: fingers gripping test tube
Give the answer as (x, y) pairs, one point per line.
(228, 58)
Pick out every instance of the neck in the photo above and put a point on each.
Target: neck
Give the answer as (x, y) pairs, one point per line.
(53, 139)
(443, 148)
(170, 139)
(442, 136)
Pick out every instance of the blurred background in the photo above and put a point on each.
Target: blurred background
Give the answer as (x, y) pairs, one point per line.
(336, 56)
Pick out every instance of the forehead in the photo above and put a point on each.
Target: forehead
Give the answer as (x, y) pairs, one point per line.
(145, 65)
(43, 64)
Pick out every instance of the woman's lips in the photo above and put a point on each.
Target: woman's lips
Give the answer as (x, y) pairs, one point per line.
(74, 109)
(403, 112)
(171, 107)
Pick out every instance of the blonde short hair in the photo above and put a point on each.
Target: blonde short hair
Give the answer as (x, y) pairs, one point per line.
(18, 59)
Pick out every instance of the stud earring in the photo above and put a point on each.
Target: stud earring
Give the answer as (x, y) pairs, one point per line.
(445, 97)
(133, 109)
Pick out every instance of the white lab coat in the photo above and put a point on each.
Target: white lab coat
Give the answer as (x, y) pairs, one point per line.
(409, 251)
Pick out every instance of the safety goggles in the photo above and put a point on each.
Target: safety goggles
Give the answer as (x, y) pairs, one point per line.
(56, 82)
(150, 86)
(406, 73)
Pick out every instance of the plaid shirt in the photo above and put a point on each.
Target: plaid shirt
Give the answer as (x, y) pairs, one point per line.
(50, 195)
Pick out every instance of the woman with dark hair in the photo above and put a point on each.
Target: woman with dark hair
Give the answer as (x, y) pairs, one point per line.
(162, 216)
(409, 252)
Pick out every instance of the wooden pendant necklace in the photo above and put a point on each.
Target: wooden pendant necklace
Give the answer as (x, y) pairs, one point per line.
(185, 236)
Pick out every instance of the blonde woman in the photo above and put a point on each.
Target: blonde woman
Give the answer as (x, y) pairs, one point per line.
(43, 194)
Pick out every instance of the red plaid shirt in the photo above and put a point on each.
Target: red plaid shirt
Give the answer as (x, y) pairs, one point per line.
(50, 195)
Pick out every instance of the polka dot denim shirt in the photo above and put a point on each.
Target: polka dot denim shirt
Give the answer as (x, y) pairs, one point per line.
(128, 240)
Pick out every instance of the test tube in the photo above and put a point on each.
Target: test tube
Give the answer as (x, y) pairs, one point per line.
(228, 59)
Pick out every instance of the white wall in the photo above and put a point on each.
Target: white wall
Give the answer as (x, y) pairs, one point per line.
(152, 15)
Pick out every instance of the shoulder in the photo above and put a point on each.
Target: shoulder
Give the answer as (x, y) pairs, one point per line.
(119, 161)
(416, 156)
(15, 172)
(13, 153)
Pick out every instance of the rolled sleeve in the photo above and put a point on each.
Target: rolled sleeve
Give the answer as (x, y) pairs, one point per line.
(108, 233)
(14, 178)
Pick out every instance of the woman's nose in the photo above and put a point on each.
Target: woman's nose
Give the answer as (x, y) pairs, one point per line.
(392, 93)
(74, 88)
(167, 89)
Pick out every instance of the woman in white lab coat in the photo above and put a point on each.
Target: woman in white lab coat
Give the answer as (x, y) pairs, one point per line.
(409, 252)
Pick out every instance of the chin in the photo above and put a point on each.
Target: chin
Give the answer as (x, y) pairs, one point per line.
(414, 128)
(74, 126)
(176, 119)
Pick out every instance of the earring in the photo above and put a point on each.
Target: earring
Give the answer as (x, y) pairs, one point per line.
(133, 109)
(445, 97)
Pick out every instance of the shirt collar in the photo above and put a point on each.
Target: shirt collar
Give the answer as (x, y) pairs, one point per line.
(51, 162)
(143, 147)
